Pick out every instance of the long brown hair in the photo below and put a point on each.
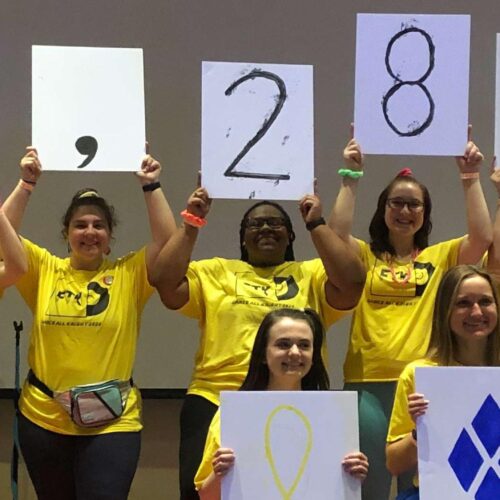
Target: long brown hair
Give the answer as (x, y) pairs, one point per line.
(443, 346)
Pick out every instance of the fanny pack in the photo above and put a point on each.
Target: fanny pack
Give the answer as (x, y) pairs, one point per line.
(90, 405)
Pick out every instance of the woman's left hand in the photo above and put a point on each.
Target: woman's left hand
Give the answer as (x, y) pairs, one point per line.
(356, 464)
(417, 405)
(310, 207)
(472, 157)
(150, 170)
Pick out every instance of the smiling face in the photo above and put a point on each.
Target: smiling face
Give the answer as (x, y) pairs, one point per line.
(289, 353)
(404, 210)
(265, 238)
(88, 237)
(474, 314)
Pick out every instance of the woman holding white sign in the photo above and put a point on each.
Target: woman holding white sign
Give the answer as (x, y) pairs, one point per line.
(465, 332)
(286, 356)
(391, 324)
(229, 298)
(79, 410)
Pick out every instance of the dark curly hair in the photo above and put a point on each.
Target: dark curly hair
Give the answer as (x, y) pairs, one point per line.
(257, 378)
(379, 232)
(88, 197)
(289, 255)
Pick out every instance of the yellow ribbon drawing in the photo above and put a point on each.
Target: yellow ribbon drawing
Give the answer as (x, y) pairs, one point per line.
(287, 494)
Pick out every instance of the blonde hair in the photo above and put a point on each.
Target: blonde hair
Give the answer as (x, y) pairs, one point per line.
(443, 345)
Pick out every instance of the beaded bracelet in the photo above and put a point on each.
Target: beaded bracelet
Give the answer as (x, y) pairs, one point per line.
(469, 175)
(27, 186)
(193, 220)
(353, 174)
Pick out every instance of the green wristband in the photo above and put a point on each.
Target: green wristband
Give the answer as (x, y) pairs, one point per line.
(353, 174)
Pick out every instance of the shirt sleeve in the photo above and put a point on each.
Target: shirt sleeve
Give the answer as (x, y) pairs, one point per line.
(28, 283)
(212, 444)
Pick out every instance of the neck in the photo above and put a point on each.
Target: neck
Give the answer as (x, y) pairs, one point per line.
(284, 385)
(403, 247)
(80, 265)
(471, 354)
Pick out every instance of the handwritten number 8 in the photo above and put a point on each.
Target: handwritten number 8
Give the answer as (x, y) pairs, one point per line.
(419, 83)
(281, 98)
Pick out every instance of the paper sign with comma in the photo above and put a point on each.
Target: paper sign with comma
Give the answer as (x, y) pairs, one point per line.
(88, 108)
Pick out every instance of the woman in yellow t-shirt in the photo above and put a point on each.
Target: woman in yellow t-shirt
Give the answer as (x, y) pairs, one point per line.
(286, 356)
(76, 442)
(465, 332)
(229, 298)
(391, 324)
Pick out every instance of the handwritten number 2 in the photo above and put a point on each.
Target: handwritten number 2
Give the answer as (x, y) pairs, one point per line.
(280, 100)
(413, 131)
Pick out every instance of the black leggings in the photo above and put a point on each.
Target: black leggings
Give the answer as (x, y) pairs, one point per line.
(64, 467)
(196, 415)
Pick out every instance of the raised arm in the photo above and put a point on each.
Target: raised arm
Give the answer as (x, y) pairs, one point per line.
(168, 274)
(161, 218)
(479, 229)
(342, 213)
(494, 251)
(401, 455)
(15, 205)
(345, 271)
(15, 262)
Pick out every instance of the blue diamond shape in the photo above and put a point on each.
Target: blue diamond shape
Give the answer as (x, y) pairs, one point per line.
(487, 425)
(465, 460)
(490, 487)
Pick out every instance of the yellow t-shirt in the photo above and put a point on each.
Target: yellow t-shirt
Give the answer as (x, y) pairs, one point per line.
(229, 298)
(85, 329)
(391, 324)
(212, 444)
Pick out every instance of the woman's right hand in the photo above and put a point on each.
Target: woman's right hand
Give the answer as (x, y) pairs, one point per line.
(199, 203)
(31, 168)
(353, 157)
(417, 405)
(223, 461)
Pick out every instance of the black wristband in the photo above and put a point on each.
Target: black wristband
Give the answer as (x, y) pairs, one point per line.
(414, 434)
(151, 187)
(315, 223)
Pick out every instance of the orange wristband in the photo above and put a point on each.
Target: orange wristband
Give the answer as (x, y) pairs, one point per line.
(193, 220)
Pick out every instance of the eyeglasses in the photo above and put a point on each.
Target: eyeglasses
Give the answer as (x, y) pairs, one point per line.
(399, 203)
(254, 224)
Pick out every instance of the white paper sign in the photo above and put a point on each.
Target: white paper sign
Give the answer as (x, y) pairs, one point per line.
(88, 108)
(257, 130)
(289, 444)
(459, 436)
(497, 102)
(412, 83)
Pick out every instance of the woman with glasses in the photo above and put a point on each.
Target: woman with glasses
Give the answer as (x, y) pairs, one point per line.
(392, 323)
(229, 298)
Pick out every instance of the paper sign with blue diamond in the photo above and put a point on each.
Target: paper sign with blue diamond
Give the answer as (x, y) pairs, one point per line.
(459, 436)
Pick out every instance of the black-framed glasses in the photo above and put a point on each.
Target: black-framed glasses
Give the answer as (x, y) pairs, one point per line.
(254, 223)
(413, 204)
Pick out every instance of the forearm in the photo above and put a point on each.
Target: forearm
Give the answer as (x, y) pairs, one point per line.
(494, 251)
(342, 214)
(480, 234)
(343, 267)
(15, 206)
(401, 456)
(161, 219)
(210, 489)
(15, 262)
(172, 262)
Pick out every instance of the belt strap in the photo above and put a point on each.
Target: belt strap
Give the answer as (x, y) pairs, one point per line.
(36, 382)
